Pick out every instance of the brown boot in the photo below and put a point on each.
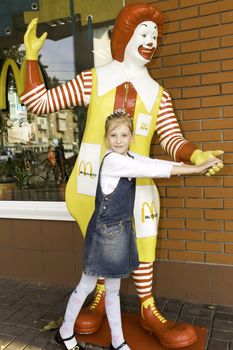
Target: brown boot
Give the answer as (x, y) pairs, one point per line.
(91, 317)
(169, 333)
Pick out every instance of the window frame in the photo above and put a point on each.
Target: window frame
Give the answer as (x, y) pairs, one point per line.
(35, 210)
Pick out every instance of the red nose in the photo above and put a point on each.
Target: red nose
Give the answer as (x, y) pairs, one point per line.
(149, 44)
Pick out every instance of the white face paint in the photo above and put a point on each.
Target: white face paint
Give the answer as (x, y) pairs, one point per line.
(142, 44)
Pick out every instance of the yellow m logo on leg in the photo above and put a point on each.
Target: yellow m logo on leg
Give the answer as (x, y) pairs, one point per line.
(148, 211)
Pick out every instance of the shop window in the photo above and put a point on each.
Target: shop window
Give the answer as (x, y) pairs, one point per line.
(37, 153)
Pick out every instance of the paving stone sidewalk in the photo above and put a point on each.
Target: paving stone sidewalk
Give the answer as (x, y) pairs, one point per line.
(25, 308)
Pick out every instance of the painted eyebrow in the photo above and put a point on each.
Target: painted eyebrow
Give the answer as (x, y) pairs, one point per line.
(143, 24)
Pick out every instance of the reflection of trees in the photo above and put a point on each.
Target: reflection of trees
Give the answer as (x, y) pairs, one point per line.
(13, 52)
(4, 125)
(49, 81)
(81, 113)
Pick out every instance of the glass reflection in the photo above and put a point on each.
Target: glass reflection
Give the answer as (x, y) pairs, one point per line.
(37, 154)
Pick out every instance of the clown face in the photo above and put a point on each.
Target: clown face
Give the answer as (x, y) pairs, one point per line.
(143, 43)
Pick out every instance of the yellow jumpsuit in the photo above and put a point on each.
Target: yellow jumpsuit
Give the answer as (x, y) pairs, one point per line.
(81, 205)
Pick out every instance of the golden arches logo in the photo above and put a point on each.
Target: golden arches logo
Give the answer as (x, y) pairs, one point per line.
(143, 126)
(86, 169)
(18, 76)
(148, 208)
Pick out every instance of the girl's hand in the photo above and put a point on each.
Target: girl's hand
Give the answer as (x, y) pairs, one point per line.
(31, 42)
(185, 169)
(210, 167)
(199, 157)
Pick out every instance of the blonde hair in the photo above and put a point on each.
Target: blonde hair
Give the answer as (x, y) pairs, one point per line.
(119, 116)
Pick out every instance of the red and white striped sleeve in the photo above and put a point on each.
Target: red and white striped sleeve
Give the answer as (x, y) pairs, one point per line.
(39, 100)
(169, 133)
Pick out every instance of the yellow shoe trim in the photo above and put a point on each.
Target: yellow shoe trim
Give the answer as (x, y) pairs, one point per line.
(100, 289)
(150, 302)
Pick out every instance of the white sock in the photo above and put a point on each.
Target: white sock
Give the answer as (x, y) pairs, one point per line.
(113, 311)
(84, 288)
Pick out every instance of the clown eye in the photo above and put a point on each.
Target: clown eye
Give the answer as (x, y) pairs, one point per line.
(144, 35)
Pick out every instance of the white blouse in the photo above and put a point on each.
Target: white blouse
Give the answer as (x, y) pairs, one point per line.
(116, 166)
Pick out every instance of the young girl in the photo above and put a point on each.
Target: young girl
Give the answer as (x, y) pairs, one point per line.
(110, 245)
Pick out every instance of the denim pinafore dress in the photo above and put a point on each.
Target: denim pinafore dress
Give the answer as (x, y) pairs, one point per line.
(110, 243)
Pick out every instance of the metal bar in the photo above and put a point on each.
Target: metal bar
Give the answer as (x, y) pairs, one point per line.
(74, 34)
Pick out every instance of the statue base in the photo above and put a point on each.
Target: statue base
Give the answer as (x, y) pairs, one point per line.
(136, 337)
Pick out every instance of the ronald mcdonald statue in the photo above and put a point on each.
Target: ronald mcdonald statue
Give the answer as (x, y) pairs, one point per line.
(123, 83)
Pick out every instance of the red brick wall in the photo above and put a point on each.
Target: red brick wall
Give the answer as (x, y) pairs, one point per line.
(194, 63)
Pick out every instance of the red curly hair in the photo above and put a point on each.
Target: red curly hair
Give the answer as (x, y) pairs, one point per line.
(126, 22)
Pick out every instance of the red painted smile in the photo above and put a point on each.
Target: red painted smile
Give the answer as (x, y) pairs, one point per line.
(146, 52)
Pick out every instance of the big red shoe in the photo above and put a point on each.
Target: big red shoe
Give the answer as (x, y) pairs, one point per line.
(170, 334)
(91, 317)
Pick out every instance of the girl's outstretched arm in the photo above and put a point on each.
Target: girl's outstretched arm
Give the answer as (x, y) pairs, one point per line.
(184, 169)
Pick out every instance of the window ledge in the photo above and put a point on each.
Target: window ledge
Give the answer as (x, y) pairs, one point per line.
(34, 210)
